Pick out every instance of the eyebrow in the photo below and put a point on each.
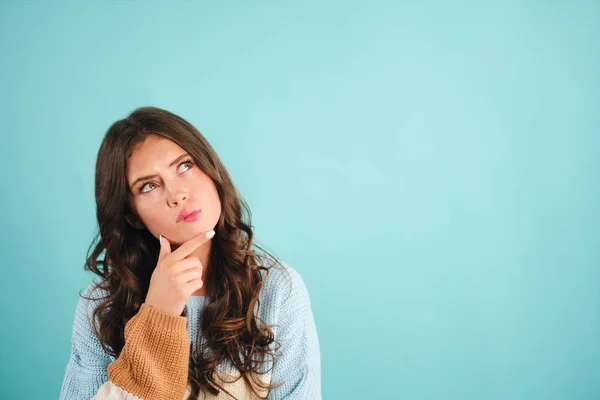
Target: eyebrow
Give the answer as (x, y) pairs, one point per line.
(143, 178)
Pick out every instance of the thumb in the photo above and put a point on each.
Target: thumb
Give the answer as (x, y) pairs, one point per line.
(165, 247)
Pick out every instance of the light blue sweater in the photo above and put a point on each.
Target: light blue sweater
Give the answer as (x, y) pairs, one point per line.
(283, 302)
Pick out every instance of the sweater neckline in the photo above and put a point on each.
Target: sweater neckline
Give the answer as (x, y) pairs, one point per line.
(196, 301)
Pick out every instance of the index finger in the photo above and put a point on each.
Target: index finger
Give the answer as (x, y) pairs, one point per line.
(188, 247)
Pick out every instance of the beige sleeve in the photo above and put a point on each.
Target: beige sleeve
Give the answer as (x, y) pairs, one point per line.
(153, 364)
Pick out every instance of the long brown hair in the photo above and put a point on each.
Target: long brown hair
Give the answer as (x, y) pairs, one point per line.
(231, 329)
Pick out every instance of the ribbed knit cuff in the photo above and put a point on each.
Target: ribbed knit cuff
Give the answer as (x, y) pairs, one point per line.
(155, 316)
(154, 361)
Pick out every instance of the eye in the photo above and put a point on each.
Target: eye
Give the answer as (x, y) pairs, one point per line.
(188, 161)
(143, 186)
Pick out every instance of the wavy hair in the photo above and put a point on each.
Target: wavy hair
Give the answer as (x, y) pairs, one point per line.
(233, 281)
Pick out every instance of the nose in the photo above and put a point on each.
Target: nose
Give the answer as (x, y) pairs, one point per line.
(176, 197)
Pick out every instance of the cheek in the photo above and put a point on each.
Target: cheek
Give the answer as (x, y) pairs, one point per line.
(149, 212)
(215, 204)
(207, 193)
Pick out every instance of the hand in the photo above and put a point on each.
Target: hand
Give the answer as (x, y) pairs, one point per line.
(177, 275)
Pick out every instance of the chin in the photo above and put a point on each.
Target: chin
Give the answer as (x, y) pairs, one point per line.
(185, 233)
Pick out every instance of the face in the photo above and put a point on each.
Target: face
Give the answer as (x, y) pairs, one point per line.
(171, 182)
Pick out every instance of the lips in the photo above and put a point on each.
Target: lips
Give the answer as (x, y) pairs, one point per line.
(186, 213)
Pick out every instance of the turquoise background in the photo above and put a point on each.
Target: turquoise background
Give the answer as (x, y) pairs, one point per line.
(430, 168)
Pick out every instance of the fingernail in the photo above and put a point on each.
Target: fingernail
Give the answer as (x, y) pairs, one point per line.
(210, 233)
(160, 240)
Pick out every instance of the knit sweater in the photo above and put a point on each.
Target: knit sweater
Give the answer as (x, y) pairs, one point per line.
(153, 364)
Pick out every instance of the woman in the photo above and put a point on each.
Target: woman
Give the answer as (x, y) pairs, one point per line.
(183, 307)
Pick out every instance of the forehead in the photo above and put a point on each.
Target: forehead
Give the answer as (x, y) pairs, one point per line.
(153, 151)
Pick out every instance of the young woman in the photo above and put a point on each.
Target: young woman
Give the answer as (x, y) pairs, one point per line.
(183, 307)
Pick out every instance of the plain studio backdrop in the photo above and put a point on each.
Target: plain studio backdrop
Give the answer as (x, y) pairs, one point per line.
(430, 168)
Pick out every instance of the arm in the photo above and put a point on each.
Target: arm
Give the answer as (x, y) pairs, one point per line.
(153, 364)
(298, 360)
(86, 368)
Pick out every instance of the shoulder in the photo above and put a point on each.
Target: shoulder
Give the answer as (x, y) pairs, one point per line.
(282, 283)
(90, 297)
(87, 350)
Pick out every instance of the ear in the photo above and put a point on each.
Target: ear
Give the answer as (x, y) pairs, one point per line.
(136, 223)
